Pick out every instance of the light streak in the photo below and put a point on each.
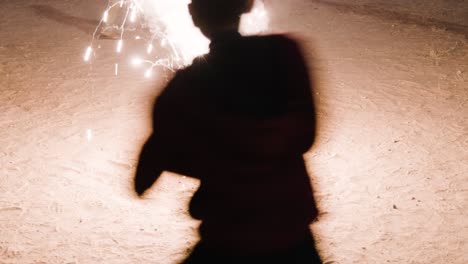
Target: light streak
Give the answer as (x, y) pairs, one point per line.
(119, 46)
(150, 48)
(133, 14)
(116, 69)
(173, 40)
(89, 49)
(105, 17)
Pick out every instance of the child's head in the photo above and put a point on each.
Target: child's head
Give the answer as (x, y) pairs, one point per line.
(218, 15)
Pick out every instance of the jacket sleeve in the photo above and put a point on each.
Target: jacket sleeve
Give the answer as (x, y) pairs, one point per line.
(176, 143)
(149, 167)
(157, 153)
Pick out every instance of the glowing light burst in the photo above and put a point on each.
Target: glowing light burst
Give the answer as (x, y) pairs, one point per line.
(174, 41)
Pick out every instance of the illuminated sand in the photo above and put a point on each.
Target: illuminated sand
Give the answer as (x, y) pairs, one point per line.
(390, 166)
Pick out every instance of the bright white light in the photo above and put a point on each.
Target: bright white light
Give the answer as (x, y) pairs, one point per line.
(181, 32)
(137, 61)
(255, 22)
(170, 23)
(148, 72)
(178, 27)
(88, 53)
(133, 14)
(105, 16)
(116, 69)
(149, 49)
(119, 46)
(89, 135)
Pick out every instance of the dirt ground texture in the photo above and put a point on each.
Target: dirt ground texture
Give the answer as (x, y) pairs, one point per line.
(390, 167)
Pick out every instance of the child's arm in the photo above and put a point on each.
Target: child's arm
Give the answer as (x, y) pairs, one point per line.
(149, 167)
(168, 147)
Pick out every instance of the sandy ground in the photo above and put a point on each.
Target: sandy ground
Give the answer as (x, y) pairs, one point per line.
(390, 167)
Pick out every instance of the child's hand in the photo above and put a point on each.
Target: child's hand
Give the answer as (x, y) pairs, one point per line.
(141, 185)
(148, 170)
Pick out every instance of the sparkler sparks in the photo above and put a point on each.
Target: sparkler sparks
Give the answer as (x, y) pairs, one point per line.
(89, 135)
(149, 49)
(174, 41)
(119, 46)
(105, 17)
(88, 53)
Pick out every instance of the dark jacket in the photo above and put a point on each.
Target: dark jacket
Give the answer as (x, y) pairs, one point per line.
(239, 119)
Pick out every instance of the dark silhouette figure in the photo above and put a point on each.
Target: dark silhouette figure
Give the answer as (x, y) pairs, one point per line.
(239, 119)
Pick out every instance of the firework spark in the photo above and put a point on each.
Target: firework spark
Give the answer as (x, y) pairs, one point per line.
(89, 135)
(170, 28)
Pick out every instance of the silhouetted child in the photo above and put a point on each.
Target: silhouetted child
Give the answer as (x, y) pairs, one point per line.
(239, 119)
